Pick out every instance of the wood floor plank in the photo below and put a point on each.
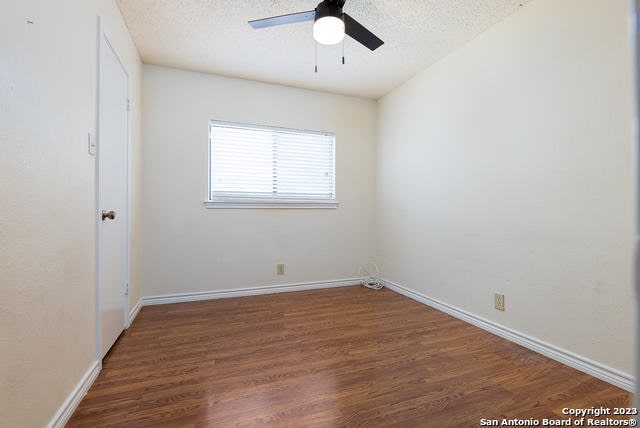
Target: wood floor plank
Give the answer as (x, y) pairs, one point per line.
(338, 357)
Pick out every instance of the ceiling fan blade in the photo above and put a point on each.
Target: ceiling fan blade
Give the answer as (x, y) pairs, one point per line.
(283, 19)
(359, 33)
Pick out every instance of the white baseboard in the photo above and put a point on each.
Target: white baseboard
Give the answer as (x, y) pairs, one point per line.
(241, 292)
(73, 400)
(134, 311)
(593, 368)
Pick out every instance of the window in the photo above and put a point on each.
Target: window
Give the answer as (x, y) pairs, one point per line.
(261, 166)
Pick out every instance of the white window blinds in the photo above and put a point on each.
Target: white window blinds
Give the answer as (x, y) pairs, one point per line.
(274, 164)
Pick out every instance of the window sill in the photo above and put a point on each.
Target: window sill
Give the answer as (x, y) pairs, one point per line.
(270, 203)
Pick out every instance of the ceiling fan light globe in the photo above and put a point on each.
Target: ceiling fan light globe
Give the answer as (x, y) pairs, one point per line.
(328, 30)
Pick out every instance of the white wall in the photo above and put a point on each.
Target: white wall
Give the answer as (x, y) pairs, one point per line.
(508, 167)
(47, 198)
(187, 248)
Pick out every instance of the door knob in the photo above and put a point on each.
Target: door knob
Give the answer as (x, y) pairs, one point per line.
(110, 215)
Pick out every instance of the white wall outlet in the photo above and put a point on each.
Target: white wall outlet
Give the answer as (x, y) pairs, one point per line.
(498, 301)
(280, 268)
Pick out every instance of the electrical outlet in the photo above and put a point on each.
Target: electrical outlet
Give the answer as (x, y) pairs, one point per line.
(498, 301)
(280, 268)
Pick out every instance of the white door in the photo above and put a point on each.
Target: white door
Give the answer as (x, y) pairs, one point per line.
(113, 194)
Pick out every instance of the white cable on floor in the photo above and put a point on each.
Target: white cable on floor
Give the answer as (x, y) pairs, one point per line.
(371, 276)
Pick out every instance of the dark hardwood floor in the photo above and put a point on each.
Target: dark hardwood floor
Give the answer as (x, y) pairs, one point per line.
(338, 357)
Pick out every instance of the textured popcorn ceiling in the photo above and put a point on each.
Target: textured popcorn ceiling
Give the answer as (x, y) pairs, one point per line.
(213, 36)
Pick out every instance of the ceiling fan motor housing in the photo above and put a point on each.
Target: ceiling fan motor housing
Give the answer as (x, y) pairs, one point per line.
(329, 8)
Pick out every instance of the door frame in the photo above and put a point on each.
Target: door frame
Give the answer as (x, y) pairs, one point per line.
(103, 33)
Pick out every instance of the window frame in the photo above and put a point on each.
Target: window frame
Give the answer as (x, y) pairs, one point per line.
(266, 202)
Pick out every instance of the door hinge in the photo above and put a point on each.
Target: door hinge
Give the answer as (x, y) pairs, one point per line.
(126, 289)
(128, 104)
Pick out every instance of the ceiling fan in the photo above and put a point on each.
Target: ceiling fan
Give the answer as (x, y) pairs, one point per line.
(330, 24)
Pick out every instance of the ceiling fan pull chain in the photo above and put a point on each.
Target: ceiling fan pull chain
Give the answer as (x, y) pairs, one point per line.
(316, 56)
(342, 51)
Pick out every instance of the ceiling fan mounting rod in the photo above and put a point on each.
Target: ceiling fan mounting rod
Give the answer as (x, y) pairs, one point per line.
(339, 3)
